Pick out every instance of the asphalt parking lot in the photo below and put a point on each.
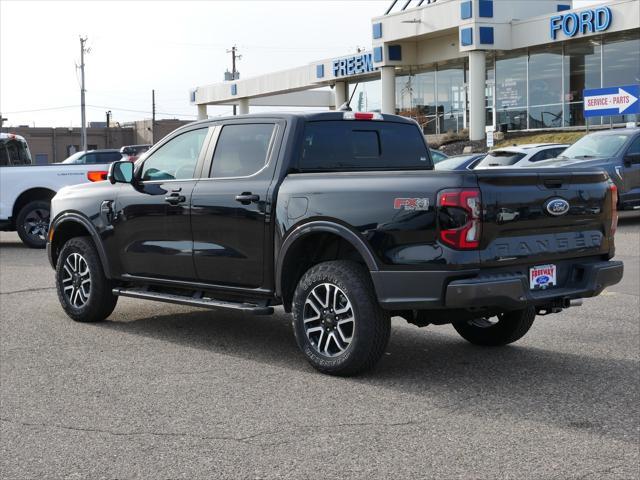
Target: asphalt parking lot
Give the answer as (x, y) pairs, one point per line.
(163, 391)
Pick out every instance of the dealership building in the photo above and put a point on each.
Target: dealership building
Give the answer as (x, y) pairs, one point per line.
(467, 64)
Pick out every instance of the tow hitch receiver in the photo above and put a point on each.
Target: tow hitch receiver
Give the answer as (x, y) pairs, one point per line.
(558, 305)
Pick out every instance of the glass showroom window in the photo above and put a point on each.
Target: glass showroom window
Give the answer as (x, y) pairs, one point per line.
(545, 87)
(621, 65)
(451, 97)
(416, 98)
(490, 85)
(582, 70)
(511, 90)
(367, 97)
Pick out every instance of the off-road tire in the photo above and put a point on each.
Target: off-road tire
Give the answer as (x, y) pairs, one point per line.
(511, 326)
(100, 301)
(370, 333)
(43, 209)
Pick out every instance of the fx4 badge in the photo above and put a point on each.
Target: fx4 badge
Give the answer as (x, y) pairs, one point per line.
(411, 204)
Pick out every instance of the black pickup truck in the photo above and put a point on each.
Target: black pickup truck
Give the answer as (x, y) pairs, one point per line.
(340, 218)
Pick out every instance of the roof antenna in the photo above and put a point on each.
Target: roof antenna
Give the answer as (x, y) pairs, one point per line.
(346, 106)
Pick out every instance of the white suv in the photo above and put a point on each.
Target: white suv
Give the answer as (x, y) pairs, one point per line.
(521, 155)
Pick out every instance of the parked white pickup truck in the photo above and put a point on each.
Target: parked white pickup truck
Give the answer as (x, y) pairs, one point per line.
(26, 190)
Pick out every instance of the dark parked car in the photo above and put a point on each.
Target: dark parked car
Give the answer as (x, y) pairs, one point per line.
(460, 162)
(94, 157)
(340, 218)
(617, 152)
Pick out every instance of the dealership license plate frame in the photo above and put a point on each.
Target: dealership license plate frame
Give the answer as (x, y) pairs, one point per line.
(538, 274)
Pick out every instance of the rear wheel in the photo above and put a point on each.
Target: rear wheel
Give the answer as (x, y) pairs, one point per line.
(32, 223)
(496, 331)
(337, 321)
(83, 290)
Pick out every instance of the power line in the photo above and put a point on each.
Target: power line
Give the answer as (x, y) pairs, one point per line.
(140, 111)
(63, 107)
(43, 109)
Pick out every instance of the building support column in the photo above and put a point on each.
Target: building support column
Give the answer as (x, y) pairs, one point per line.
(477, 101)
(388, 86)
(243, 106)
(341, 91)
(202, 112)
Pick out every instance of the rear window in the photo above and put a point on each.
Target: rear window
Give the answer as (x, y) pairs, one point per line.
(362, 145)
(500, 159)
(14, 152)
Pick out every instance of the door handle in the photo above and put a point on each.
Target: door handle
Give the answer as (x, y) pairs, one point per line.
(175, 198)
(246, 198)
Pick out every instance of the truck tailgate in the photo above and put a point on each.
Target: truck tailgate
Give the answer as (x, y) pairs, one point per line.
(526, 219)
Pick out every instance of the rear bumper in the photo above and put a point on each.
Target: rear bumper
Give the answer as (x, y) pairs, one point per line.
(512, 291)
(438, 290)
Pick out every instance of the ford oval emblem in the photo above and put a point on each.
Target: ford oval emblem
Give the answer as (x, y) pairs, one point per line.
(557, 207)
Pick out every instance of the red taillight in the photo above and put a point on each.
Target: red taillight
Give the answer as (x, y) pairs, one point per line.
(467, 235)
(97, 175)
(614, 208)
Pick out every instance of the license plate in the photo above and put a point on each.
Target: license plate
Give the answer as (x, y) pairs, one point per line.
(542, 276)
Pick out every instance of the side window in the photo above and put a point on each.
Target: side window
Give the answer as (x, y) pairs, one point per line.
(539, 156)
(634, 149)
(111, 157)
(546, 154)
(175, 160)
(242, 149)
(105, 157)
(4, 156)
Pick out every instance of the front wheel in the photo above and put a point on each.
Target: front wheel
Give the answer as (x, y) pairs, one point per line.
(337, 321)
(83, 290)
(32, 223)
(496, 331)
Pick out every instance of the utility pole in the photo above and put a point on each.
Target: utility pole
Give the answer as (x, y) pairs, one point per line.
(107, 132)
(234, 71)
(153, 116)
(83, 118)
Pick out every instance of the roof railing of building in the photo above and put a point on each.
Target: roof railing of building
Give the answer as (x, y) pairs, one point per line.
(413, 3)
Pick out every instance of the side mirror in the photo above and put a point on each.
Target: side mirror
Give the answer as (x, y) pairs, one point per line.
(631, 158)
(121, 172)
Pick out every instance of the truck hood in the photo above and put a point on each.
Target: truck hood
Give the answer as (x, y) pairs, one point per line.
(84, 188)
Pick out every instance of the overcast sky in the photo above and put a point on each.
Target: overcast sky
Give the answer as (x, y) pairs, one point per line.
(169, 46)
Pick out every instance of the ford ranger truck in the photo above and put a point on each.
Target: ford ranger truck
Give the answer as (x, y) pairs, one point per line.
(340, 218)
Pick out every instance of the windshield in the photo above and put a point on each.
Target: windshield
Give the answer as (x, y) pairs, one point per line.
(595, 146)
(500, 158)
(75, 158)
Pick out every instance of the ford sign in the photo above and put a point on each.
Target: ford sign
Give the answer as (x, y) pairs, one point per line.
(557, 207)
